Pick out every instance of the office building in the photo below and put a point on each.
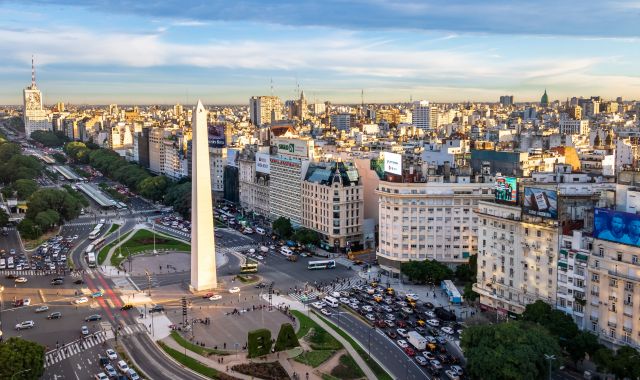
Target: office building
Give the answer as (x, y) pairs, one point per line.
(424, 115)
(574, 127)
(265, 109)
(35, 117)
(506, 100)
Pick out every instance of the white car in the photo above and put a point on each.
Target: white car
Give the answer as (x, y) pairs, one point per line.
(123, 367)
(430, 314)
(412, 296)
(402, 343)
(25, 325)
(81, 300)
(215, 297)
(101, 376)
(344, 300)
(319, 304)
(235, 289)
(407, 310)
(370, 317)
(457, 370)
(325, 311)
(367, 308)
(26, 302)
(111, 354)
(84, 330)
(447, 330)
(433, 322)
(42, 308)
(20, 280)
(402, 332)
(132, 374)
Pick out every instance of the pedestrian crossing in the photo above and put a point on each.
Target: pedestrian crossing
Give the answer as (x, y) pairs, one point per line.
(71, 349)
(313, 295)
(30, 272)
(239, 249)
(132, 329)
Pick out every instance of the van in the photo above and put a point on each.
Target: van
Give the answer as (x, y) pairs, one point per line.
(286, 251)
(330, 301)
(10, 262)
(3, 264)
(260, 231)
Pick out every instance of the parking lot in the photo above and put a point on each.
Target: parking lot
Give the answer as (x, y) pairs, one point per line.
(418, 328)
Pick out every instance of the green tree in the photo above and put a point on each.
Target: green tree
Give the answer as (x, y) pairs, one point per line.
(557, 322)
(469, 294)
(77, 152)
(21, 356)
(8, 150)
(467, 272)
(153, 188)
(282, 227)
(427, 271)
(513, 350)
(25, 187)
(4, 218)
(29, 229)
(583, 343)
(179, 197)
(306, 236)
(49, 139)
(47, 219)
(286, 338)
(60, 158)
(624, 363)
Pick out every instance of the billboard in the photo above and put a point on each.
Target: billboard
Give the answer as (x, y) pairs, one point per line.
(263, 163)
(541, 202)
(616, 226)
(506, 189)
(233, 155)
(393, 163)
(377, 165)
(217, 137)
(294, 147)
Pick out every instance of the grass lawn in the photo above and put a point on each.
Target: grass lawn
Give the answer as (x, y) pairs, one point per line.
(113, 229)
(190, 362)
(305, 323)
(142, 241)
(204, 351)
(347, 369)
(102, 255)
(326, 376)
(247, 278)
(314, 358)
(375, 367)
(320, 339)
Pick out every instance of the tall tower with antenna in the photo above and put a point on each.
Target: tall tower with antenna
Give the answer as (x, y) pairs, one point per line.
(34, 116)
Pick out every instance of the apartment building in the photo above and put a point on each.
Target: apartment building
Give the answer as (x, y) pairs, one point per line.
(332, 204)
(254, 171)
(264, 109)
(517, 258)
(431, 220)
(573, 259)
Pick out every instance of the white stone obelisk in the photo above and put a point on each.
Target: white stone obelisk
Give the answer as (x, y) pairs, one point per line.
(203, 248)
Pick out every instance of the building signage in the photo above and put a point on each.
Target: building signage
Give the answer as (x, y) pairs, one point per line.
(541, 202)
(263, 163)
(616, 226)
(506, 189)
(393, 163)
(293, 147)
(285, 162)
(217, 138)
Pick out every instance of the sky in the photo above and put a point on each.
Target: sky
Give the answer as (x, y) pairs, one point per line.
(223, 52)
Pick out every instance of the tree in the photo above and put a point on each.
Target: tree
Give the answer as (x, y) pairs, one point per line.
(427, 271)
(286, 338)
(60, 158)
(583, 343)
(179, 197)
(49, 139)
(282, 227)
(623, 363)
(25, 187)
(514, 350)
(557, 322)
(19, 355)
(467, 272)
(29, 229)
(4, 218)
(469, 294)
(153, 188)
(8, 150)
(306, 236)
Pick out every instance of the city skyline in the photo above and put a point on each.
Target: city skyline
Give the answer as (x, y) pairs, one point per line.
(89, 53)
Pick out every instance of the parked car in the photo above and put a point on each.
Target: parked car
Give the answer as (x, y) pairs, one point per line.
(421, 360)
(402, 343)
(111, 354)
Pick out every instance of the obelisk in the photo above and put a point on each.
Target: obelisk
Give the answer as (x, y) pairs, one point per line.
(203, 248)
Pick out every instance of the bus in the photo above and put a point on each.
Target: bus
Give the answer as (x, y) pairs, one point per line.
(98, 243)
(322, 264)
(249, 268)
(91, 259)
(96, 232)
(90, 248)
(330, 301)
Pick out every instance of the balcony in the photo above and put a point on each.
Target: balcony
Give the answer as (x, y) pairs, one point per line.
(612, 324)
(622, 275)
(628, 303)
(595, 294)
(627, 329)
(593, 319)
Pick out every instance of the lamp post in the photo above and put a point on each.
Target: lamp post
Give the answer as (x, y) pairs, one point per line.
(1, 290)
(549, 358)
(153, 228)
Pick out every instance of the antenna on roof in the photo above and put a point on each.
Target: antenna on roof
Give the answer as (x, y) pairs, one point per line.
(33, 73)
(271, 86)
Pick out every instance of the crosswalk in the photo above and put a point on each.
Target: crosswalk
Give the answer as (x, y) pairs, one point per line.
(29, 272)
(239, 249)
(55, 356)
(312, 295)
(132, 329)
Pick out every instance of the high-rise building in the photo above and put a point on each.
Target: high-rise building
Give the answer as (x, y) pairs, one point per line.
(35, 116)
(265, 109)
(343, 121)
(574, 127)
(424, 115)
(506, 100)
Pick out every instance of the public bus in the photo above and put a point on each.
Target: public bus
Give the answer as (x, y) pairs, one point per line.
(96, 231)
(90, 248)
(249, 268)
(322, 264)
(98, 243)
(91, 259)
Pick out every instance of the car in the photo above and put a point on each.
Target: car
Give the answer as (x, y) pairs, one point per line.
(122, 366)
(42, 309)
(207, 295)
(370, 317)
(75, 237)
(401, 324)
(441, 339)
(215, 297)
(81, 300)
(402, 343)
(457, 370)
(97, 294)
(11, 276)
(428, 355)
(101, 376)
(55, 315)
(25, 325)
(260, 285)
(111, 354)
(451, 375)
(12, 251)
(26, 302)
(412, 297)
(94, 317)
(420, 330)
(402, 332)
(421, 360)
(389, 323)
(126, 306)
(156, 309)
(235, 289)
(430, 314)
(433, 322)
(367, 308)
(111, 372)
(78, 282)
(409, 351)
(84, 330)
(325, 311)
(407, 310)
(436, 364)
(20, 280)
(447, 330)
(392, 334)
(132, 374)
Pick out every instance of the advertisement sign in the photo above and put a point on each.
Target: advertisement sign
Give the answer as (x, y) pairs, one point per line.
(263, 163)
(216, 136)
(506, 189)
(293, 147)
(233, 155)
(541, 202)
(377, 165)
(393, 163)
(616, 226)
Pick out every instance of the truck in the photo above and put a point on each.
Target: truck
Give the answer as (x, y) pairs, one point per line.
(91, 259)
(416, 340)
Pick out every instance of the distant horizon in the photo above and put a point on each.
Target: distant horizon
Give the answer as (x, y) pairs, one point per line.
(98, 52)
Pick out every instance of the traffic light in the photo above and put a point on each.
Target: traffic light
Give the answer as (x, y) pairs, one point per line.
(184, 306)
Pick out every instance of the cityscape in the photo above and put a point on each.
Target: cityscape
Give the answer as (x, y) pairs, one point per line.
(248, 192)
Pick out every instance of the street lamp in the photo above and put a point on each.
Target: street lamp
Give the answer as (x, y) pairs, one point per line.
(1, 290)
(153, 228)
(549, 358)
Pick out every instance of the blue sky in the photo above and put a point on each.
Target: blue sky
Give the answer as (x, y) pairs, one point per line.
(129, 51)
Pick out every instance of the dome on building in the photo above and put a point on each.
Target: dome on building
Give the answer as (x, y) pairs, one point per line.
(544, 101)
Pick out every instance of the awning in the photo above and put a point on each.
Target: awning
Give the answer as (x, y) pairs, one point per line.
(562, 264)
(582, 257)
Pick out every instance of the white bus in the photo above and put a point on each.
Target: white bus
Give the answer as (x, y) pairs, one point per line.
(96, 232)
(90, 248)
(322, 264)
(330, 301)
(91, 259)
